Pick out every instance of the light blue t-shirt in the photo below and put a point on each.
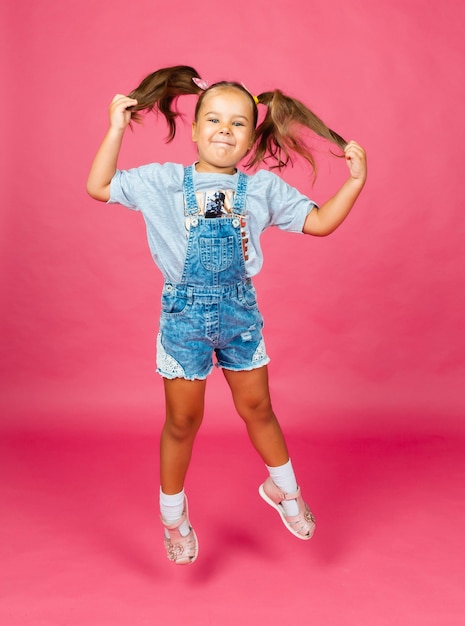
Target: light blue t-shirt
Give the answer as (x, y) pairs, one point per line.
(157, 191)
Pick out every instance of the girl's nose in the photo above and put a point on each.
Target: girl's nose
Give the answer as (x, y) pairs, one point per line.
(225, 130)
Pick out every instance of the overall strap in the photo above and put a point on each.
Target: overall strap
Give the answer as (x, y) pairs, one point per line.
(189, 193)
(191, 200)
(239, 198)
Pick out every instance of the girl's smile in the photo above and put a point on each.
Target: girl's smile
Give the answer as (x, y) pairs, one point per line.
(223, 130)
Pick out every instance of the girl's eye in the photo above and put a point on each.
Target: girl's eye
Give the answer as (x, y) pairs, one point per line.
(213, 120)
(238, 124)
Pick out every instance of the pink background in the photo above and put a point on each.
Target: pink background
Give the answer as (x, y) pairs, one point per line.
(365, 328)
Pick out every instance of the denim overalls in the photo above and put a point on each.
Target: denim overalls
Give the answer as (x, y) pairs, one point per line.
(213, 309)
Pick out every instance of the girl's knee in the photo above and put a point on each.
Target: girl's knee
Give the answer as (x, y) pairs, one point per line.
(256, 410)
(182, 426)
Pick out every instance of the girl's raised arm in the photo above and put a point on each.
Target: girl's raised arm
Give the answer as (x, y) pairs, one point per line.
(105, 162)
(331, 214)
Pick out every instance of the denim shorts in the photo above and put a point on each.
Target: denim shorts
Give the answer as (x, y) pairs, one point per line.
(197, 322)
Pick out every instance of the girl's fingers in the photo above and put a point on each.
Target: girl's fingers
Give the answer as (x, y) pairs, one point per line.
(123, 101)
(354, 147)
(120, 116)
(354, 151)
(355, 159)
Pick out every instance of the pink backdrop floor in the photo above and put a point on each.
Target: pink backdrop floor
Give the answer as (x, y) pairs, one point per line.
(81, 541)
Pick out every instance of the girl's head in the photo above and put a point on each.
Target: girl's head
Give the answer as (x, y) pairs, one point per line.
(224, 126)
(227, 109)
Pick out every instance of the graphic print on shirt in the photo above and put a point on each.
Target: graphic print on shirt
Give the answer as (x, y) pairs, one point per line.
(218, 203)
(215, 203)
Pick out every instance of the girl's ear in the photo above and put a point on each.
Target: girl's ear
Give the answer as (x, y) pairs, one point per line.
(194, 132)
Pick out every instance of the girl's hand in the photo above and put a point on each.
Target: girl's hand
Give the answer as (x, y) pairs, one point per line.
(119, 114)
(356, 161)
(332, 213)
(105, 162)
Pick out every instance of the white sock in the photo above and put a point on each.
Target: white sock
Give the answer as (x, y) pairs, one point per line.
(171, 509)
(283, 477)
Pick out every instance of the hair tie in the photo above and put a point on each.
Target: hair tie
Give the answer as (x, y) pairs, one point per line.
(255, 98)
(201, 84)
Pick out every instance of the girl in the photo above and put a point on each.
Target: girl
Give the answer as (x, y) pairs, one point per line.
(203, 225)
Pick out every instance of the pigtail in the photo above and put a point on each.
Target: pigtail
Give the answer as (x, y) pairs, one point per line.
(278, 135)
(158, 92)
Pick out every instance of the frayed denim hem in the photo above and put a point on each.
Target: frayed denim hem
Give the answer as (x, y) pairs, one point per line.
(253, 366)
(172, 376)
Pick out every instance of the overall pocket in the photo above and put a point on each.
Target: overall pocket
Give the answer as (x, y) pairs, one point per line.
(172, 304)
(216, 253)
(249, 297)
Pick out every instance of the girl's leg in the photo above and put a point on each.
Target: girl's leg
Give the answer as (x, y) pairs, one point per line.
(184, 414)
(252, 400)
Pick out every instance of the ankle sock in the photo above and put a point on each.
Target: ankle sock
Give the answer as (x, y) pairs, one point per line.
(171, 509)
(283, 477)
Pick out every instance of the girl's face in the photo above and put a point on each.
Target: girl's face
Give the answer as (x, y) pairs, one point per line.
(223, 130)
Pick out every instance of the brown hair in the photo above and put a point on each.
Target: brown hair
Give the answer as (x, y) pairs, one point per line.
(277, 137)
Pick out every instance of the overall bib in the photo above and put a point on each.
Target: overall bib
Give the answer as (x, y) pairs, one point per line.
(213, 309)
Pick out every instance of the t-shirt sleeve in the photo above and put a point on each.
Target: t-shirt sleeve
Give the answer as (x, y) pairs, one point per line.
(125, 188)
(141, 188)
(287, 207)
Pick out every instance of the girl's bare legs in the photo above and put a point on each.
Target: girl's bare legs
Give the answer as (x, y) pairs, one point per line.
(184, 414)
(252, 400)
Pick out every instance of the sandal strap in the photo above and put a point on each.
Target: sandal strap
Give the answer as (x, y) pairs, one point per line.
(291, 496)
(174, 525)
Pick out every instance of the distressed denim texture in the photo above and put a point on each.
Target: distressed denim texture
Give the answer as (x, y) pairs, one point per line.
(214, 309)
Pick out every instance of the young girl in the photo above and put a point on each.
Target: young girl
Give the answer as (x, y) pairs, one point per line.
(203, 225)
